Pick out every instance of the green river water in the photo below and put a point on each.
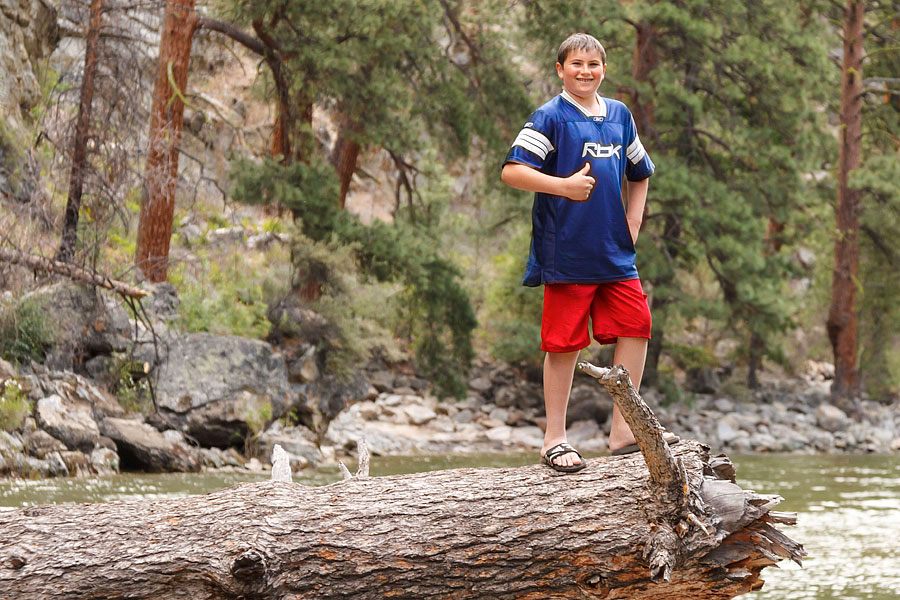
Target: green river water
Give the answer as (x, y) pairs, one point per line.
(849, 511)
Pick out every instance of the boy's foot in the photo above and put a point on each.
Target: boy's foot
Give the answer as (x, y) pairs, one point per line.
(563, 458)
(668, 436)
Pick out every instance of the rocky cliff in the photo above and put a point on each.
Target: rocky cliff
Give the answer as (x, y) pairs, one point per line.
(28, 34)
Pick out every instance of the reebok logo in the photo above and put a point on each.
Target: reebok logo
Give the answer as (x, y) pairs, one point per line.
(595, 150)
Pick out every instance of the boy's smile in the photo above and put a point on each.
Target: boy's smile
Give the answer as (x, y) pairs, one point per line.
(581, 75)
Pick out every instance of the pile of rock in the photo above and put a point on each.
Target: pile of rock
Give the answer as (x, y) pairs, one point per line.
(77, 428)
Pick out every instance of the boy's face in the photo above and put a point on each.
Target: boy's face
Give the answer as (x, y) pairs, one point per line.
(582, 73)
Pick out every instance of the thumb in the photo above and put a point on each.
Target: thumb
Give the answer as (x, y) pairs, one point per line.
(586, 168)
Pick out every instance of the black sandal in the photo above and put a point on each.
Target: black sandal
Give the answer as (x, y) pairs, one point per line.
(557, 451)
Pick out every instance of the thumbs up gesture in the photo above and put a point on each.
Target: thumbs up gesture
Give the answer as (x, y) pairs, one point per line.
(580, 184)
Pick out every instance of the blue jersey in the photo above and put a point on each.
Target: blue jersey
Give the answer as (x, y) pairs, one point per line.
(586, 241)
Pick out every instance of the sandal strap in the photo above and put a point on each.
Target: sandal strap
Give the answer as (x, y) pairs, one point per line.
(560, 449)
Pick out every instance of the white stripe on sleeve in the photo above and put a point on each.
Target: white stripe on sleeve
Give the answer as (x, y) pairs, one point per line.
(534, 141)
(635, 151)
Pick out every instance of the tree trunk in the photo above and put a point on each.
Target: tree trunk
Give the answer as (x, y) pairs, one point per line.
(74, 272)
(346, 152)
(842, 317)
(79, 147)
(675, 527)
(166, 122)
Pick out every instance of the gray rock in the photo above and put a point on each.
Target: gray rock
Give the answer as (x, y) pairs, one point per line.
(11, 443)
(39, 443)
(226, 235)
(140, 446)
(462, 417)
(723, 405)
(500, 414)
(831, 418)
(529, 436)
(56, 465)
(190, 234)
(322, 400)
(382, 380)
(77, 464)
(586, 436)
(482, 385)
(305, 368)
(104, 461)
(500, 433)
(727, 430)
(368, 410)
(419, 415)
(68, 420)
(703, 380)
(521, 396)
(589, 403)
(7, 371)
(298, 442)
(219, 389)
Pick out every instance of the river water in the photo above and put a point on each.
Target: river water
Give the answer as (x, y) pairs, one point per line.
(849, 511)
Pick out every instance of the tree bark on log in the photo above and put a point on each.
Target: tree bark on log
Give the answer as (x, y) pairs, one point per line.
(526, 532)
(74, 272)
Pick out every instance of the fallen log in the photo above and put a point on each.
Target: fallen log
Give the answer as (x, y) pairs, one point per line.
(526, 532)
(74, 272)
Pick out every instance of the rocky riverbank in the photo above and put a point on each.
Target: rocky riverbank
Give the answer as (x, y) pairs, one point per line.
(223, 401)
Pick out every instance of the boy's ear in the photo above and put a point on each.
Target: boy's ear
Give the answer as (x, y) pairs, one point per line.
(559, 70)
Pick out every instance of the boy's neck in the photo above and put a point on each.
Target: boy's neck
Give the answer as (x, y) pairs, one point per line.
(590, 103)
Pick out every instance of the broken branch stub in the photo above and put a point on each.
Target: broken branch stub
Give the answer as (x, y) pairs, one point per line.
(665, 472)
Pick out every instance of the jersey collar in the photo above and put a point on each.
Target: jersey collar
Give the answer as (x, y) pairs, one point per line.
(582, 109)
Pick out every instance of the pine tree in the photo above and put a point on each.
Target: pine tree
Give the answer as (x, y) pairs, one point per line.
(727, 96)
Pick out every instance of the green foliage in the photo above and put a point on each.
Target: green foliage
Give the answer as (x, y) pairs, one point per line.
(131, 386)
(26, 333)
(256, 420)
(440, 316)
(226, 299)
(735, 99)
(14, 405)
(513, 311)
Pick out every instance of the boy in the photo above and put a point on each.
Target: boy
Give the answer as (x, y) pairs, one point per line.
(574, 152)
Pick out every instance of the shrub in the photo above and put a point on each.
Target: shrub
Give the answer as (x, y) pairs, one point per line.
(14, 405)
(25, 331)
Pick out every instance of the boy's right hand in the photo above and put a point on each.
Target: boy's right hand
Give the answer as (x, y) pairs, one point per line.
(579, 185)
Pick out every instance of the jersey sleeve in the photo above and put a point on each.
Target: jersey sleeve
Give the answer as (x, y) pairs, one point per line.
(638, 165)
(534, 143)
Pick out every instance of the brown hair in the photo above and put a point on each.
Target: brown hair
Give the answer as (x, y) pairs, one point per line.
(580, 41)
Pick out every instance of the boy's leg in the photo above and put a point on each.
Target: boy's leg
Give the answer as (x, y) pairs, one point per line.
(559, 368)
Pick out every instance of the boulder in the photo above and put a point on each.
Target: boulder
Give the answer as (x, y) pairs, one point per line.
(88, 323)
(589, 403)
(7, 371)
(219, 388)
(298, 442)
(320, 401)
(104, 461)
(703, 380)
(141, 447)
(39, 443)
(831, 418)
(69, 420)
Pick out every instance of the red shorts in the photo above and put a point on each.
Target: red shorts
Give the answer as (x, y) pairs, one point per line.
(616, 309)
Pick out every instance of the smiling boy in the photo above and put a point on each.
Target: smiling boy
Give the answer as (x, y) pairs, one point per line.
(574, 152)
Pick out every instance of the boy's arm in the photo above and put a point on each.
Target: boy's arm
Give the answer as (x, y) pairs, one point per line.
(637, 196)
(577, 186)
